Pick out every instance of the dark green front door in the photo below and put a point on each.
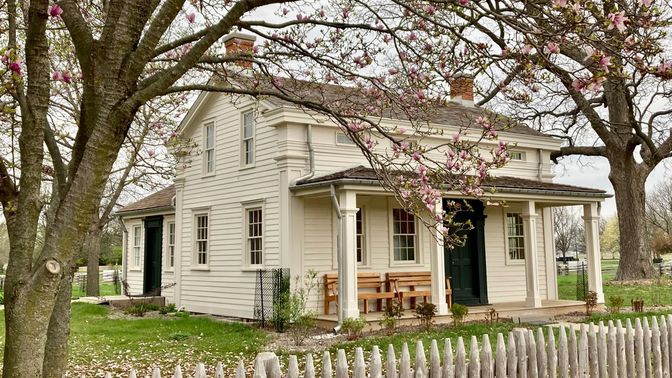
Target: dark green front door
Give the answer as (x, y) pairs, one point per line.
(465, 265)
(153, 244)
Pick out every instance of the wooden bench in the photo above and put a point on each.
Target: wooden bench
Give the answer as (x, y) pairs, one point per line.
(416, 284)
(368, 280)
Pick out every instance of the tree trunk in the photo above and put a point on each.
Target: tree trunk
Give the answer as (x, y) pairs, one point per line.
(27, 313)
(628, 179)
(56, 350)
(92, 249)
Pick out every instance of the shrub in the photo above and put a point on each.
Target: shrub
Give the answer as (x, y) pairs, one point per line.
(616, 304)
(170, 307)
(591, 302)
(492, 316)
(459, 312)
(426, 313)
(290, 312)
(637, 305)
(391, 316)
(140, 309)
(2, 298)
(353, 327)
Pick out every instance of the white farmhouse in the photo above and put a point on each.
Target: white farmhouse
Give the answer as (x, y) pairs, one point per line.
(273, 188)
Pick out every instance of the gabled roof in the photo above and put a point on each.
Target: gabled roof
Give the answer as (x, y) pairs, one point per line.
(362, 174)
(161, 200)
(446, 113)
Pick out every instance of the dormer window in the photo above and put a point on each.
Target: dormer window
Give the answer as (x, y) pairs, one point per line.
(247, 147)
(209, 148)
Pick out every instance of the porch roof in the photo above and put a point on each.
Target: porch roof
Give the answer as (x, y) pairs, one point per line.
(503, 184)
(159, 201)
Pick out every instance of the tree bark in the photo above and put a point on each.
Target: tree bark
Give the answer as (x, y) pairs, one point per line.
(56, 351)
(628, 179)
(92, 249)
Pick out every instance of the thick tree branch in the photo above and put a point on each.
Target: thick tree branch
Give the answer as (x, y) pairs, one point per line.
(78, 30)
(578, 150)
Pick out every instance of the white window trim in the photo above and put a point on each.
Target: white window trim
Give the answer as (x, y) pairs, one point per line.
(245, 206)
(393, 204)
(366, 247)
(133, 265)
(168, 267)
(507, 256)
(214, 149)
(194, 248)
(243, 164)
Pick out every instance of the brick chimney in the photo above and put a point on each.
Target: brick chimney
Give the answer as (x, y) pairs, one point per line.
(239, 43)
(462, 89)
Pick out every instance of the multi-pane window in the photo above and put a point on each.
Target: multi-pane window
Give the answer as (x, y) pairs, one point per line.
(209, 150)
(171, 245)
(137, 246)
(515, 236)
(517, 155)
(403, 235)
(201, 239)
(255, 236)
(248, 138)
(359, 222)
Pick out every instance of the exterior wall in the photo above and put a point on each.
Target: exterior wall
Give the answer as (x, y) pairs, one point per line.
(226, 286)
(134, 275)
(331, 156)
(505, 282)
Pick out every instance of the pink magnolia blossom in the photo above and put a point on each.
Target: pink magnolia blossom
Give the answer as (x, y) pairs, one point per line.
(55, 10)
(617, 20)
(560, 3)
(463, 3)
(526, 49)
(589, 51)
(551, 48)
(15, 67)
(64, 76)
(191, 17)
(412, 37)
(604, 63)
(664, 68)
(646, 3)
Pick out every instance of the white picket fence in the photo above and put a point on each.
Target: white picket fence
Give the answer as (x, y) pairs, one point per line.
(598, 351)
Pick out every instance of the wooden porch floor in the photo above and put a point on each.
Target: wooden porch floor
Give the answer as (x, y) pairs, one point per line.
(518, 312)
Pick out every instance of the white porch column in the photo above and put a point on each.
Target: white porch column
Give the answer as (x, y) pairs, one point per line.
(591, 219)
(179, 220)
(531, 264)
(347, 269)
(438, 267)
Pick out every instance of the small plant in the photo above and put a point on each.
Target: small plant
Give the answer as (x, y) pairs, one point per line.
(591, 302)
(391, 316)
(353, 327)
(170, 307)
(492, 316)
(426, 313)
(637, 305)
(140, 309)
(459, 312)
(2, 298)
(291, 311)
(615, 304)
(179, 336)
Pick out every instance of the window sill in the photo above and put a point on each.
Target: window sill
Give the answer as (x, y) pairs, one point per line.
(170, 270)
(203, 268)
(135, 269)
(246, 167)
(208, 175)
(251, 268)
(398, 264)
(515, 262)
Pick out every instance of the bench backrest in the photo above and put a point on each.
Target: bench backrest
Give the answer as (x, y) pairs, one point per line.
(364, 280)
(404, 279)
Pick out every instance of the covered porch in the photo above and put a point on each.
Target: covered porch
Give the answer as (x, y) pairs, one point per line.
(507, 263)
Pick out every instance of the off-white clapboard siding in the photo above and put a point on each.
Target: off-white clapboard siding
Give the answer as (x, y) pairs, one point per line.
(331, 157)
(228, 287)
(134, 274)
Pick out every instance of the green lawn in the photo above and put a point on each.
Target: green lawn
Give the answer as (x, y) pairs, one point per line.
(105, 290)
(104, 341)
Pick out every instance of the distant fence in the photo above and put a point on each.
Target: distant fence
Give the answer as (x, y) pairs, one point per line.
(598, 351)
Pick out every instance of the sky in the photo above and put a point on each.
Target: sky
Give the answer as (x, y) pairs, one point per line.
(594, 171)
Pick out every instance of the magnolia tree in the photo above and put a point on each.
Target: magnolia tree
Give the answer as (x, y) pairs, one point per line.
(593, 72)
(387, 60)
